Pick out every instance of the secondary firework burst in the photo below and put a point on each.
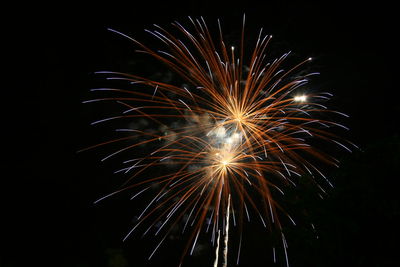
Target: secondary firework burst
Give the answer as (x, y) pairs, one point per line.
(238, 132)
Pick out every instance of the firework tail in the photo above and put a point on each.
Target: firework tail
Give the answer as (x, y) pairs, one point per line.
(224, 248)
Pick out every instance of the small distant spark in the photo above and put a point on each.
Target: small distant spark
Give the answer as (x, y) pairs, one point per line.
(300, 98)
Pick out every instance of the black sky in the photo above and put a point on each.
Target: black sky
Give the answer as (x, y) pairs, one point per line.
(48, 210)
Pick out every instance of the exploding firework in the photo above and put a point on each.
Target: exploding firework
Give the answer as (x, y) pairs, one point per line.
(234, 135)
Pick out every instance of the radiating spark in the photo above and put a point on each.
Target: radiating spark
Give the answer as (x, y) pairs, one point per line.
(140, 192)
(219, 148)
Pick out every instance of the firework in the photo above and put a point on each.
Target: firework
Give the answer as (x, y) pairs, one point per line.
(236, 133)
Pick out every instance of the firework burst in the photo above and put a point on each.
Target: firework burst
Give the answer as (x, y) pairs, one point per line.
(234, 135)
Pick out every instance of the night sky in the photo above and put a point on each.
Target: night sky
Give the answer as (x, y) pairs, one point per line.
(47, 209)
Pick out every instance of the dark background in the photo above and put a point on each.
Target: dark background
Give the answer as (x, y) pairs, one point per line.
(47, 209)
